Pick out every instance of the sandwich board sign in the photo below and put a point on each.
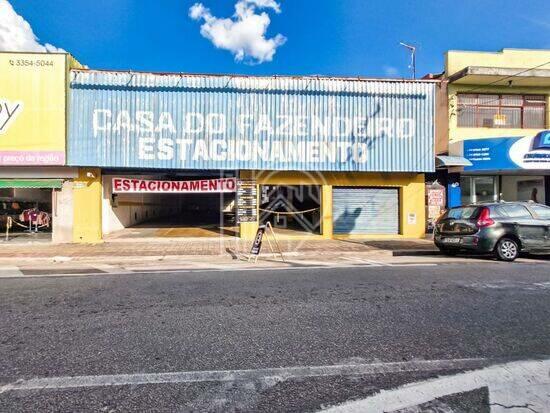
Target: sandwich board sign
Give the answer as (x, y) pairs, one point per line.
(258, 239)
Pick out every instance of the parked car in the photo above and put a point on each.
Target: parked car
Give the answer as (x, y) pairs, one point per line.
(504, 229)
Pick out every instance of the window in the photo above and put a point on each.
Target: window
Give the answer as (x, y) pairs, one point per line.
(462, 213)
(541, 211)
(501, 111)
(513, 211)
(478, 189)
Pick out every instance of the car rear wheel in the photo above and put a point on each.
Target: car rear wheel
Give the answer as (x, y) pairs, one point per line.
(507, 249)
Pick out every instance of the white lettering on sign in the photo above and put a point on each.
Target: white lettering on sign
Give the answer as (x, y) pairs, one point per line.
(243, 150)
(130, 185)
(278, 138)
(8, 113)
(258, 124)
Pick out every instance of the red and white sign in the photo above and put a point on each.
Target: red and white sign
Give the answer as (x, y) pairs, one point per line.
(131, 185)
(436, 197)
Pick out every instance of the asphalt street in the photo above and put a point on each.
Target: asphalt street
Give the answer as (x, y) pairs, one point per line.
(308, 339)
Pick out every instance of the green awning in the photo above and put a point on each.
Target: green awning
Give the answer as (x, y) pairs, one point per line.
(31, 183)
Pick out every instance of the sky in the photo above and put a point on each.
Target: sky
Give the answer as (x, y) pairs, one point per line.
(266, 37)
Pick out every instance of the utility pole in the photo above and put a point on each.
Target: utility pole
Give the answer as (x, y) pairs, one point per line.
(412, 49)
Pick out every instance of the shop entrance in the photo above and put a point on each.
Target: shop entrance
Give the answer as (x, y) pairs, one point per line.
(25, 211)
(292, 209)
(365, 211)
(164, 215)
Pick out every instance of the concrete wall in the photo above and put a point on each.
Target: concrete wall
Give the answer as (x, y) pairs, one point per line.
(509, 189)
(62, 213)
(441, 119)
(87, 206)
(132, 209)
(456, 60)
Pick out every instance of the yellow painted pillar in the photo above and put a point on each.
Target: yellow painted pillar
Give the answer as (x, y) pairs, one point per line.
(87, 193)
(326, 211)
(248, 230)
(413, 210)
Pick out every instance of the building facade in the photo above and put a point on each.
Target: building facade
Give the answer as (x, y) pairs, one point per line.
(325, 157)
(499, 127)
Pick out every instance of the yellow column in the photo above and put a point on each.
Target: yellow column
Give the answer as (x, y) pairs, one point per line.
(326, 211)
(87, 191)
(413, 210)
(248, 229)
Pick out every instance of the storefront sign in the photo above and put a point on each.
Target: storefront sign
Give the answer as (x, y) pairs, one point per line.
(8, 112)
(436, 200)
(247, 201)
(436, 196)
(510, 153)
(129, 185)
(257, 244)
(32, 109)
(236, 124)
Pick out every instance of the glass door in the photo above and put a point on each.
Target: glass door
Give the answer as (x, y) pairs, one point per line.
(476, 189)
(485, 189)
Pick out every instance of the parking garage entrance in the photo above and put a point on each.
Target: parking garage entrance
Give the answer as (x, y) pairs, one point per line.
(293, 210)
(168, 206)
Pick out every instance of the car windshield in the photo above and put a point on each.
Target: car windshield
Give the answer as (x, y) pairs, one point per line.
(462, 213)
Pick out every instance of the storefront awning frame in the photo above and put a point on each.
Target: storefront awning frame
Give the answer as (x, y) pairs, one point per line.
(32, 183)
(446, 161)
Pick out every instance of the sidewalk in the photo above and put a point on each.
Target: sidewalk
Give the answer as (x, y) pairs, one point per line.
(207, 247)
(135, 258)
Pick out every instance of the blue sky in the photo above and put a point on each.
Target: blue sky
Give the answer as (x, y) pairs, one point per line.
(328, 37)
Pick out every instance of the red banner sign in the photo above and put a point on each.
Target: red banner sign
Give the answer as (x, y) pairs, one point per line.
(130, 185)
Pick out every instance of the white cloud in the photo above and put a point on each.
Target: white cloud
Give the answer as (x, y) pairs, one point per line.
(391, 71)
(16, 34)
(243, 34)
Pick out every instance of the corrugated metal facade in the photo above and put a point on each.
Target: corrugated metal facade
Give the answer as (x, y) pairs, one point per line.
(138, 120)
(365, 210)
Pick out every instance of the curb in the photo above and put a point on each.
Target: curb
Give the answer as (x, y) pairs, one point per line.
(413, 253)
(58, 259)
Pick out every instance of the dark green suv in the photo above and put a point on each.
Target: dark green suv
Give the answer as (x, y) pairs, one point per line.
(504, 229)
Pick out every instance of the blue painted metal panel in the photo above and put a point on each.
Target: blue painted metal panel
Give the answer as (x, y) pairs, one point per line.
(509, 153)
(454, 194)
(137, 120)
(489, 154)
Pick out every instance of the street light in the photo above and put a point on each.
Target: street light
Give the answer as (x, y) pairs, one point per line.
(413, 57)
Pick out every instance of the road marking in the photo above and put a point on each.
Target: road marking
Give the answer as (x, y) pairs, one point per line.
(416, 265)
(109, 268)
(273, 375)
(363, 261)
(142, 271)
(523, 384)
(373, 262)
(10, 271)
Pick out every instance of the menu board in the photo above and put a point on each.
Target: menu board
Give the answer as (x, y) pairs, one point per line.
(247, 201)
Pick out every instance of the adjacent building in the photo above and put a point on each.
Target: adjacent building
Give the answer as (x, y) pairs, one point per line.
(36, 185)
(499, 128)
